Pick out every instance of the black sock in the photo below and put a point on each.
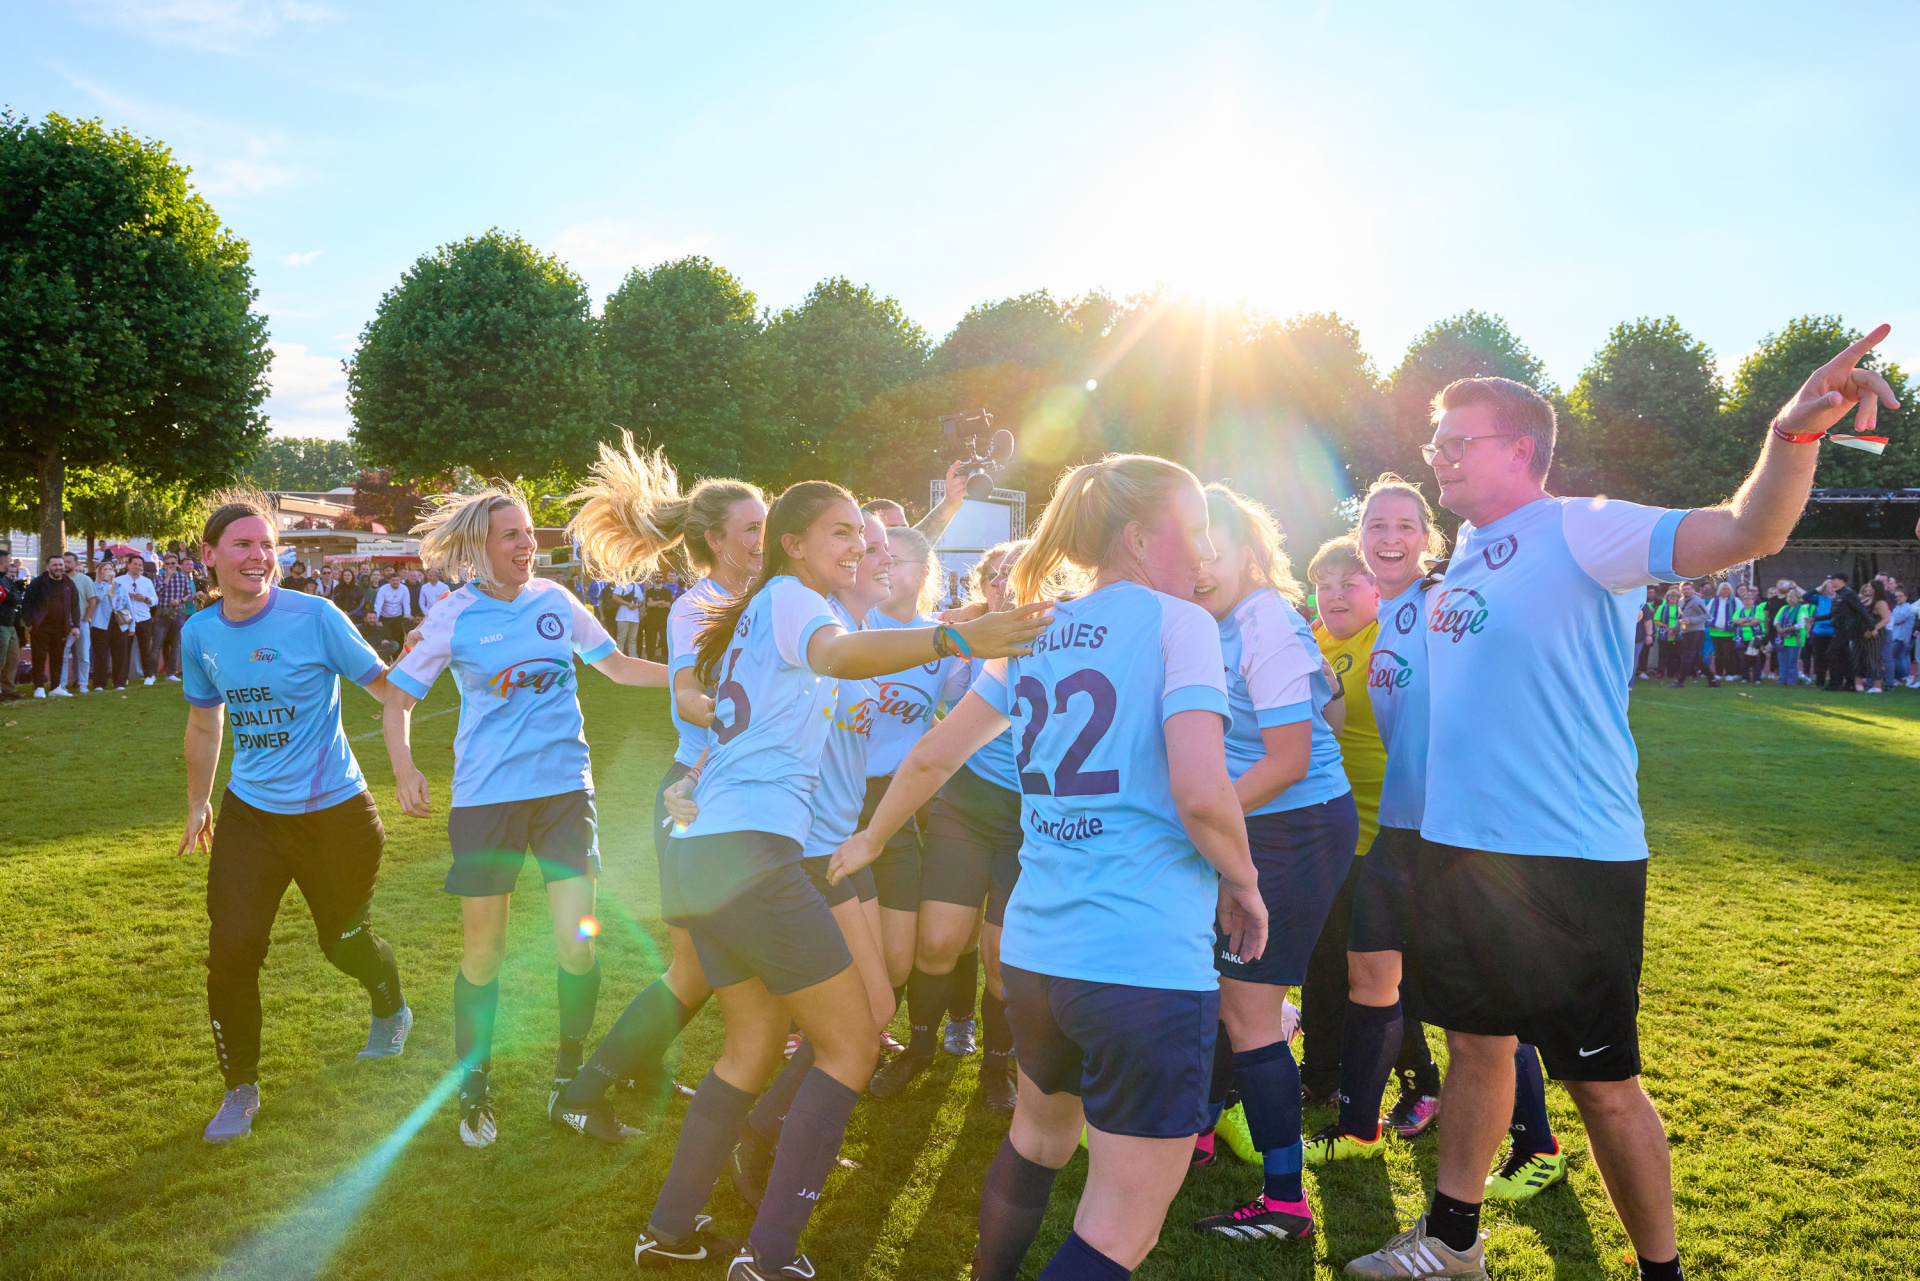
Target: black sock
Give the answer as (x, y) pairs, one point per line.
(1220, 1085)
(809, 1143)
(1270, 1092)
(1668, 1271)
(474, 1008)
(966, 986)
(1075, 1260)
(996, 1034)
(777, 1100)
(712, 1125)
(579, 994)
(638, 1040)
(1370, 1044)
(361, 954)
(1415, 1063)
(926, 1002)
(1530, 1129)
(1455, 1223)
(1013, 1201)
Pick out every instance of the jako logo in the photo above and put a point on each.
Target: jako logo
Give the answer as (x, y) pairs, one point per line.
(263, 655)
(1388, 671)
(548, 625)
(1457, 612)
(1500, 552)
(1405, 617)
(538, 674)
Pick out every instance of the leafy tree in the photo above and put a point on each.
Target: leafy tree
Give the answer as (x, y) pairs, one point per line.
(1472, 344)
(483, 357)
(685, 368)
(303, 464)
(1035, 329)
(1645, 421)
(110, 501)
(127, 333)
(842, 346)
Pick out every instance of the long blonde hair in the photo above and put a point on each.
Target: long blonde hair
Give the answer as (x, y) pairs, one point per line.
(1248, 523)
(977, 579)
(635, 513)
(454, 532)
(1090, 507)
(1389, 484)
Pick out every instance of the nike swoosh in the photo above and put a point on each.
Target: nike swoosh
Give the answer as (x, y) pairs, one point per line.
(696, 1256)
(1587, 1054)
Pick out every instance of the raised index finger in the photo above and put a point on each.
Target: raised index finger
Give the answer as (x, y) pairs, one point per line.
(1850, 357)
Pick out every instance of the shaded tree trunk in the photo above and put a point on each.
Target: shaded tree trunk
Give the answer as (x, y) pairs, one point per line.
(52, 475)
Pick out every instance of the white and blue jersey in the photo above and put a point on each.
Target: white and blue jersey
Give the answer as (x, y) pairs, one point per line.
(994, 762)
(1398, 689)
(521, 736)
(1111, 888)
(1275, 677)
(772, 714)
(684, 623)
(842, 790)
(278, 673)
(904, 703)
(1530, 648)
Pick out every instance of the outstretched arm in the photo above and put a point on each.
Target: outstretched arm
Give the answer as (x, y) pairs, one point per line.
(1757, 519)
(623, 670)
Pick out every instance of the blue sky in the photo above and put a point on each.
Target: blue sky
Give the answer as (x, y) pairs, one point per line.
(1732, 165)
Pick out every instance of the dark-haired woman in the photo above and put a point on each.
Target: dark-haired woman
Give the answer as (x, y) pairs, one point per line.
(296, 808)
(766, 939)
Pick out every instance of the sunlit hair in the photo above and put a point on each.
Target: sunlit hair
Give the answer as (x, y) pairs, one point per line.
(1795, 596)
(455, 529)
(1390, 485)
(1247, 523)
(1090, 507)
(1337, 558)
(910, 544)
(879, 506)
(633, 513)
(1517, 408)
(792, 513)
(977, 579)
(223, 508)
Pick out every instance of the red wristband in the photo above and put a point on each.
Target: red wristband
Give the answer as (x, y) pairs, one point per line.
(1805, 438)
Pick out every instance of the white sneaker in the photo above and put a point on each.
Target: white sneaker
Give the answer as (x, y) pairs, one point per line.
(61, 691)
(38, 692)
(1415, 1256)
(174, 679)
(147, 681)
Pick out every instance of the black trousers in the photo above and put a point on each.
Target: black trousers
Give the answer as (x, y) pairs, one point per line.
(1840, 662)
(1726, 657)
(143, 636)
(1689, 655)
(1323, 997)
(49, 656)
(120, 644)
(1818, 648)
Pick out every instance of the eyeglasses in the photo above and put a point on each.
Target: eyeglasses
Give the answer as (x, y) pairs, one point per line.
(1455, 446)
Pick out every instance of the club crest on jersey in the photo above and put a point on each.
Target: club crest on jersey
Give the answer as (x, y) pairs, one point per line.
(1387, 671)
(1458, 612)
(1500, 551)
(548, 625)
(1405, 617)
(1342, 665)
(263, 655)
(539, 675)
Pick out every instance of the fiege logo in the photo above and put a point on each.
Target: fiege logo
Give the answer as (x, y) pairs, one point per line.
(263, 655)
(537, 675)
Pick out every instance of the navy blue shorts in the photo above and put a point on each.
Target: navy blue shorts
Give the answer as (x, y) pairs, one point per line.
(1302, 857)
(860, 885)
(776, 928)
(973, 845)
(1383, 900)
(662, 824)
(490, 842)
(896, 873)
(1140, 1058)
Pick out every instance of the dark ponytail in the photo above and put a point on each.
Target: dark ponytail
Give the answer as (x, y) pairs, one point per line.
(792, 513)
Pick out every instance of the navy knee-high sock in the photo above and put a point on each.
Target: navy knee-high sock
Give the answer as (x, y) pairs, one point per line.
(927, 996)
(579, 995)
(809, 1143)
(474, 1008)
(777, 1100)
(1075, 1260)
(966, 986)
(637, 1041)
(1270, 1092)
(1013, 1201)
(996, 1034)
(1415, 1062)
(711, 1127)
(1368, 1048)
(1531, 1131)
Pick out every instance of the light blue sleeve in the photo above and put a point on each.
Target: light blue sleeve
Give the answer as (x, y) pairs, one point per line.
(1291, 714)
(991, 686)
(195, 684)
(346, 650)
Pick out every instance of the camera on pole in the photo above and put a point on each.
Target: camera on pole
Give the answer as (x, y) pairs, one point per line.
(963, 431)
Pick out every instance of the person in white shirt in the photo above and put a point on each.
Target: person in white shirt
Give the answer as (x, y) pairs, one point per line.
(142, 597)
(79, 652)
(431, 591)
(391, 605)
(626, 622)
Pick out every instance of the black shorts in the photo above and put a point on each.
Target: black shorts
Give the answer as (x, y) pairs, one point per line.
(1302, 857)
(1140, 1058)
(859, 885)
(896, 873)
(662, 824)
(777, 929)
(1383, 900)
(490, 842)
(1543, 948)
(973, 844)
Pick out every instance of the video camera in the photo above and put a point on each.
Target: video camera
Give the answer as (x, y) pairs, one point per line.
(963, 432)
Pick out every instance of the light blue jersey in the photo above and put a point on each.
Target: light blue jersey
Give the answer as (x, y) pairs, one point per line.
(772, 714)
(904, 703)
(842, 789)
(1398, 688)
(684, 622)
(520, 735)
(1111, 889)
(994, 762)
(1275, 677)
(1530, 647)
(278, 674)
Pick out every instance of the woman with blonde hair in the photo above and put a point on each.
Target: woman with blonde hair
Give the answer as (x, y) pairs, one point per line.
(522, 778)
(1134, 845)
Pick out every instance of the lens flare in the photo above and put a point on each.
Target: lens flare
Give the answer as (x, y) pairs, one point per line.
(589, 928)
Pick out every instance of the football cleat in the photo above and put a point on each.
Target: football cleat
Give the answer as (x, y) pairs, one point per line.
(749, 1167)
(234, 1120)
(997, 1088)
(594, 1120)
(387, 1038)
(699, 1245)
(1331, 1145)
(1527, 1177)
(1258, 1221)
(477, 1129)
(958, 1039)
(1232, 1127)
(745, 1268)
(1415, 1256)
(896, 1074)
(1413, 1114)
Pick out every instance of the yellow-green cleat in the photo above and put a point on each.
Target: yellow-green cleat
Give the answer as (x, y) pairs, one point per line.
(1332, 1145)
(1528, 1177)
(1233, 1128)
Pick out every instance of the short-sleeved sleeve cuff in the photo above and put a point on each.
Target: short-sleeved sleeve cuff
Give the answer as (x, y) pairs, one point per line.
(598, 652)
(991, 685)
(1291, 714)
(1660, 547)
(805, 639)
(680, 663)
(205, 702)
(1195, 698)
(372, 674)
(410, 684)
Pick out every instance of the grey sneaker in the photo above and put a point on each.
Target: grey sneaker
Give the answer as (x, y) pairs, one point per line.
(234, 1120)
(387, 1038)
(959, 1038)
(1415, 1256)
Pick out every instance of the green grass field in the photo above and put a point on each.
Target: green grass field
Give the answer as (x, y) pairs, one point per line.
(1781, 1027)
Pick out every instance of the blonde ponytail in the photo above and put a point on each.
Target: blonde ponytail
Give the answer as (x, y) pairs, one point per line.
(1249, 524)
(1090, 507)
(633, 514)
(454, 532)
